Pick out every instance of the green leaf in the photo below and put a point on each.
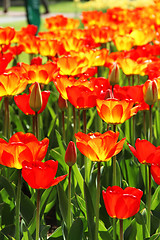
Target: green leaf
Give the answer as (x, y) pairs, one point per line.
(76, 230)
(57, 233)
(155, 198)
(26, 234)
(103, 232)
(140, 218)
(44, 199)
(131, 231)
(4, 183)
(56, 155)
(44, 231)
(90, 212)
(9, 230)
(63, 203)
(27, 208)
(81, 204)
(154, 237)
(60, 143)
(16, 119)
(79, 177)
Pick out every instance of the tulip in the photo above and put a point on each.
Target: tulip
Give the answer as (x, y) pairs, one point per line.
(150, 91)
(35, 100)
(41, 175)
(99, 147)
(62, 103)
(22, 101)
(143, 150)
(120, 203)
(114, 75)
(114, 111)
(71, 154)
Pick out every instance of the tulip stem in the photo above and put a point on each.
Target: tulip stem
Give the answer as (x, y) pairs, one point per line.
(114, 228)
(74, 122)
(85, 160)
(114, 183)
(38, 214)
(36, 125)
(69, 198)
(144, 123)
(150, 122)
(63, 126)
(84, 121)
(114, 162)
(7, 118)
(97, 200)
(121, 229)
(18, 201)
(149, 202)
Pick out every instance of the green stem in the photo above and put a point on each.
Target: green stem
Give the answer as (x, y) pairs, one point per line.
(18, 201)
(149, 201)
(84, 121)
(114, 163)
(97, 201)
(38, 214)
(6, 118)
(150, 122)
(121, 229)
(69, 198)
(114, 183)
(35, 125)
(63, 126)
(114, 228)
(74, 122)
(79, 121)
(85, 160)
(144, 123)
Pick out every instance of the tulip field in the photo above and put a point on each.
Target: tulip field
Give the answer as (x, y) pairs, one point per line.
(80, 127)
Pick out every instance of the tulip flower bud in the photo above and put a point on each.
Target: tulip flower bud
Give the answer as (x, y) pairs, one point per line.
(36, 61)
(150, 91)
(35, 100)
(71, 154)
(114, 75)
(62, 103)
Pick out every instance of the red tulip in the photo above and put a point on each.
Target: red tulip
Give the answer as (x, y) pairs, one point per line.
(71, 154)
(22, 101)
(41, 175)
(121, 203)
(155, 171)
(143, 150)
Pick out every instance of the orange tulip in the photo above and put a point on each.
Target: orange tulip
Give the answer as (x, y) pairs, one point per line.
(130, 66)
(72, 65)
(28, 30)
(99, 147)
(62, 82)
(12, 83)
(12, 154)
(116, 111)
(6, 35)
(30, 43)
(61, 22)
(40, 73)
(48, 47)
(22, 147)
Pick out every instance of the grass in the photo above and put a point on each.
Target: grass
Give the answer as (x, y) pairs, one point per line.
(58, 7)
